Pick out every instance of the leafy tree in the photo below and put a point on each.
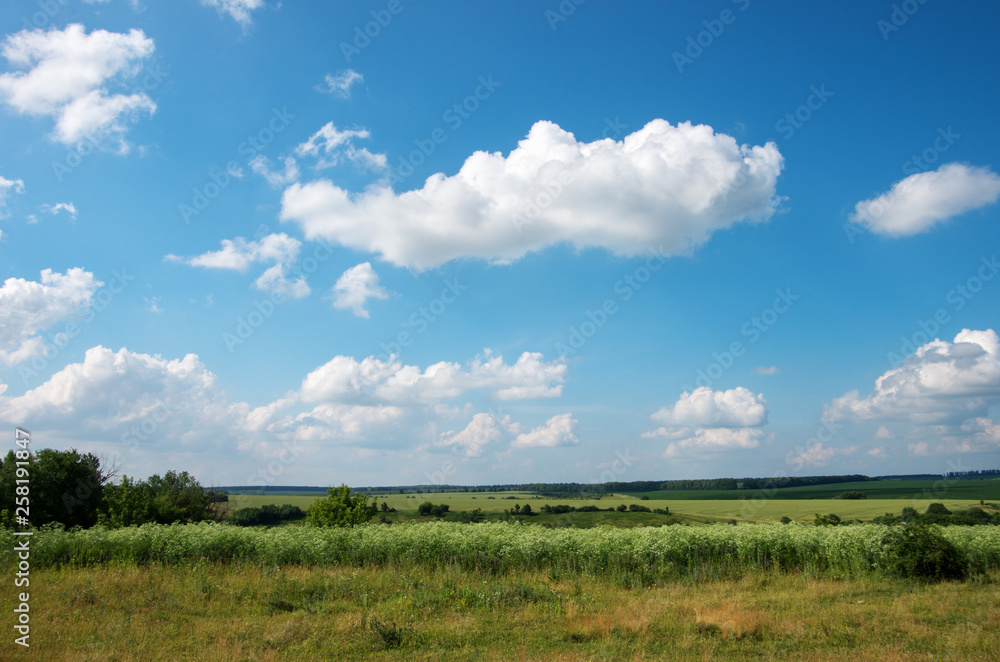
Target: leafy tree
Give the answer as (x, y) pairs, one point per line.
(178, 498)
(174, 497)
(339, 508)
(130, 503)
(622, 508)
(786, 520)
(64, 487)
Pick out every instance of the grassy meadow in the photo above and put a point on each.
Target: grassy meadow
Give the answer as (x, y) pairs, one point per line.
(209, 611)
(586, 586)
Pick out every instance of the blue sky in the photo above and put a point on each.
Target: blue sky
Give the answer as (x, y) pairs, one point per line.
(391, 243)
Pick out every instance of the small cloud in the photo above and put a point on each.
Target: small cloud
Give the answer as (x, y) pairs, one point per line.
(884, 433)
(238, 10)
(153, 304)
(355, 286)
(766, 370)
(340, 85)
(261, 165)
(919, 448)
(878, 453)
(8, 186)
(920, 202)
(67, 207)
(814, 456)
(330, 146)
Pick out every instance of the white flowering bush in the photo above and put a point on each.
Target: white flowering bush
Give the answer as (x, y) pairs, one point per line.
(645, 553)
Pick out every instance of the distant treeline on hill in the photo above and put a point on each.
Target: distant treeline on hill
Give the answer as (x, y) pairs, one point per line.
(982, 473)
(561, 489)
(565, 489)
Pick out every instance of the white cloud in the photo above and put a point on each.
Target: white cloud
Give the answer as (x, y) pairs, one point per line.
(980, 435)
(68, 78)
(703, 407)
(330, 146)
(482, 430)
(884, 433)
(238, 10)
(559, 430)
(766, 370)
(7, 186)
(345, 380)
(355, 286)
(340, 423)
(239, 254)
(665, 186)
(340, 85)
(878, 453)
(919, 202)
(277, 281)
(110, 389)
(153, 412)
(67, 207)
(713, 440)
(261, 165)
(708, 421)
(941, 382)
(815, 456)
(28, 307)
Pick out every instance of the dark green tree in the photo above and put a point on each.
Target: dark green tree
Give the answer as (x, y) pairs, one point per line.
(63, 486)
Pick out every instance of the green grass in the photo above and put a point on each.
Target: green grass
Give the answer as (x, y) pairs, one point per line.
(408, 612)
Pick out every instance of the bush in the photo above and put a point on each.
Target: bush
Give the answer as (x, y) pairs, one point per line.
(636, 508)
(622, 508)
(786, 520)
(920, 551)
(340, 509)
(428, 508)
(853, 494)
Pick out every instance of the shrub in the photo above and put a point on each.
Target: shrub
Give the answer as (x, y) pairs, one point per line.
(428, 508)
(918, 550)
(853, 494)
(786, 520)
(636, 508)
(339, 509)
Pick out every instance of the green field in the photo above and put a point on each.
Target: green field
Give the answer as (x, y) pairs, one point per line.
(972, 489)
(761, 510)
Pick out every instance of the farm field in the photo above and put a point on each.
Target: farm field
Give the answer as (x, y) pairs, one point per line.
(201, 611)
(975, 489)
(769, 510)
